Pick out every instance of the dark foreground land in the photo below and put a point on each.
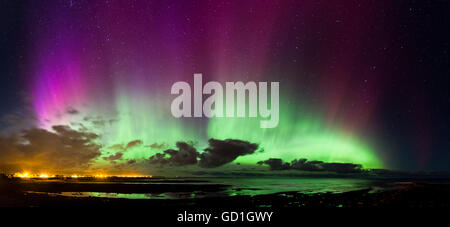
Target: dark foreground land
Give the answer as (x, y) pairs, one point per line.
(16, 193)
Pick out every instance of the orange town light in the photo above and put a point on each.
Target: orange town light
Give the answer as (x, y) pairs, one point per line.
(22, 175)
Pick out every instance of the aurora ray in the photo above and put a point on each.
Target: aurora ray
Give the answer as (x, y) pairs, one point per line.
(113, 78)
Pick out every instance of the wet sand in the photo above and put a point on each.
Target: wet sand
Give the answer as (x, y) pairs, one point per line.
(17, 193)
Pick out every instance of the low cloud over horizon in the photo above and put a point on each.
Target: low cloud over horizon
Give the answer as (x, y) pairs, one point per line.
(218, 153)
(64, 149)
(313, 166)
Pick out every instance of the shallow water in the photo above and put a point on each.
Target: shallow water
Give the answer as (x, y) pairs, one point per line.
(257, 186)
(236, 186)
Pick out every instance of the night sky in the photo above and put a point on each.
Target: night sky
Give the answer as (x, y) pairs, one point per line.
(362, 82)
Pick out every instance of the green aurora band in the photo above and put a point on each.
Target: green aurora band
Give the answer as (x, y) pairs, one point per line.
(298, 135)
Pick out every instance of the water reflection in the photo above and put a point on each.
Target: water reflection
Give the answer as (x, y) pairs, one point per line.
(234, 187)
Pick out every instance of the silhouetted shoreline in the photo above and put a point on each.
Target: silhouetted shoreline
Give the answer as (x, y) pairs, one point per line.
(24, 193)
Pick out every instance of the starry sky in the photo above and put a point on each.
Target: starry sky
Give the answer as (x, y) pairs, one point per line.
(361, 82)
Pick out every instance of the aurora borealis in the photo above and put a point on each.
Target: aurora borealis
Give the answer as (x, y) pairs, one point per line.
(106, 68)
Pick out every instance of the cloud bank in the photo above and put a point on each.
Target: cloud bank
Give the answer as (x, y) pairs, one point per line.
(305, 165)
(218, 153)
(39, 149)
(186, 154)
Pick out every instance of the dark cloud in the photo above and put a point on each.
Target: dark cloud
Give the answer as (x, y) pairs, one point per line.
(185, 155)
(121, 148)
(72, 111)
(18, 119)
(132, 144)
(39, 149)
(275, 164)
(221, 152)
(157, 146)
(130, 162)
(117, 147)
(116, 156)
(305, 165)
(342, 167)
